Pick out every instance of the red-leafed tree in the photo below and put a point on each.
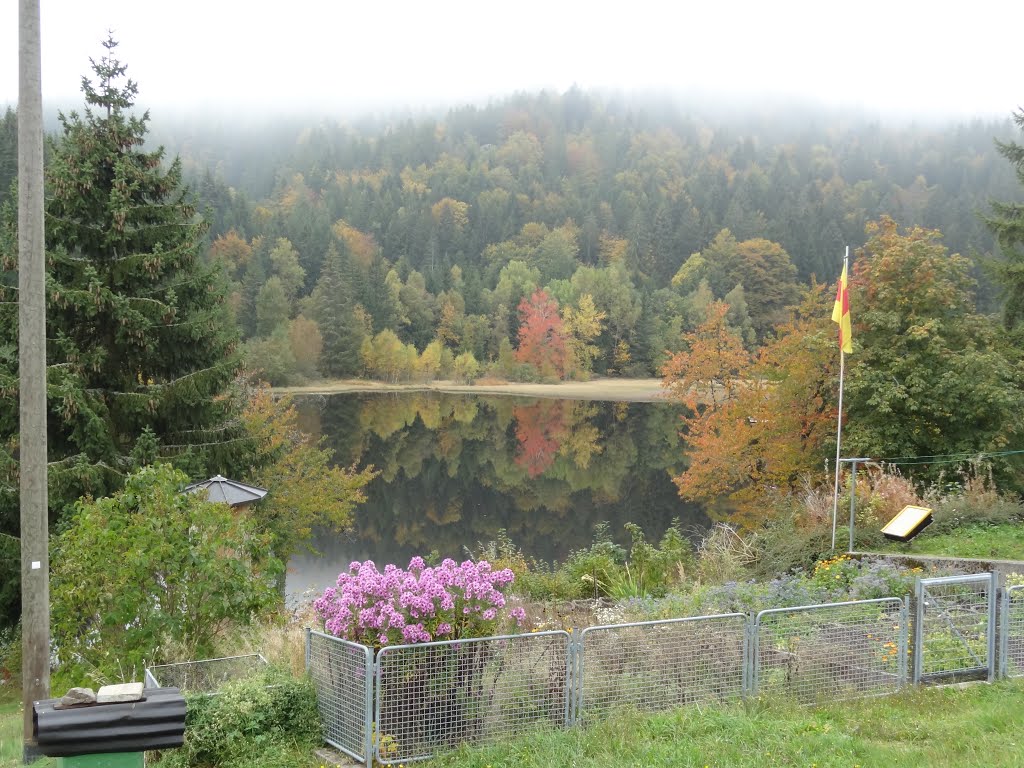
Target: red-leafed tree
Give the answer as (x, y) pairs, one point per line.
(542, 338)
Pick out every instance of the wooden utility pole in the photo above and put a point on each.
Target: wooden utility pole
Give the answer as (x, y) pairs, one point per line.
(35, 561)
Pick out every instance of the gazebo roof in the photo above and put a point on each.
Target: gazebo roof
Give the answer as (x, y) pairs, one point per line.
(231, 492)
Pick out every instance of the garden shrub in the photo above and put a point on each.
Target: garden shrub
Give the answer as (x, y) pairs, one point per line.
(151, 573)
(593, 569)
(972, 500)
(786, 543)
(447, 602)
(724, 555)
(605, 569)
(535, 579)
(835, 574)
(882, 578)
(269, 719)
(654, 570)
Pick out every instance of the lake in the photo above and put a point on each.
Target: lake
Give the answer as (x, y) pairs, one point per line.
(458, 470)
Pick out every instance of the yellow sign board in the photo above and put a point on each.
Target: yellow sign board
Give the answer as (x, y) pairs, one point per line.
(908, 523)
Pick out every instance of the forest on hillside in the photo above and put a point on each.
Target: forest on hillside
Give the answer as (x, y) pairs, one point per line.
(554, 235)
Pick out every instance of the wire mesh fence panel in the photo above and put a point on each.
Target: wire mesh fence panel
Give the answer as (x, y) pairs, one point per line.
(659, 665)
(954, 632)
(833, 651)
(1013, 631)
(434, 696)
(342, 673)
(205, 675)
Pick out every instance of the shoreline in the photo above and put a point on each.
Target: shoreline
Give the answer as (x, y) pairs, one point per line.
(618, 390)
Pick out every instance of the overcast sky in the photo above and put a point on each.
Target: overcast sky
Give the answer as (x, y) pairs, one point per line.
(910, 57)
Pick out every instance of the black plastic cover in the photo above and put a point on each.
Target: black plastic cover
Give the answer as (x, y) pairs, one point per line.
(156, 722)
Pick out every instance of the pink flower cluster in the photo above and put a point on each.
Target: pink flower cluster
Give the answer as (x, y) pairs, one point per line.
(421, 604)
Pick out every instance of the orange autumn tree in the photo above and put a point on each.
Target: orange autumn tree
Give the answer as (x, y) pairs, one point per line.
(707, 375)
(756, 424)
(542, 337)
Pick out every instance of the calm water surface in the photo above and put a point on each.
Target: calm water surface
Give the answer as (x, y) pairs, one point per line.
(457, 470)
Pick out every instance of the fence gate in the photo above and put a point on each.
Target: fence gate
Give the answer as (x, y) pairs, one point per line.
(954, 628)
(343, 675)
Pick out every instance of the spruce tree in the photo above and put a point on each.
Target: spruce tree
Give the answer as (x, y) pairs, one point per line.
(334, 312)
(8, 151)
(139, 339)
(1007, 223)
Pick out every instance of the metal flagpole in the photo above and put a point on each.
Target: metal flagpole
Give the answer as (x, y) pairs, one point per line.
(839, 427)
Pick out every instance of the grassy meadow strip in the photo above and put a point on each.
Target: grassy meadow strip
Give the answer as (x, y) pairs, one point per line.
(974, 726)
(1002, 542)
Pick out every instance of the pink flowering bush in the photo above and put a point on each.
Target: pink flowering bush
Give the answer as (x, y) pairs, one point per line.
(421, 604)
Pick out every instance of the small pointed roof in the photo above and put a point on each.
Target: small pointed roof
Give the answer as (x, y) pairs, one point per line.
(231, 492)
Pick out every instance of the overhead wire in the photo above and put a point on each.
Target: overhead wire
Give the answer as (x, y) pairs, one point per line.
(944, 458)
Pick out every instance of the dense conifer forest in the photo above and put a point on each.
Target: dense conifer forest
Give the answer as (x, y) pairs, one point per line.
(395, 248)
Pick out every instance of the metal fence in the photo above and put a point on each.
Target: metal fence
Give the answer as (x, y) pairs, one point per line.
(954, 628)
(434, 696)
(414, 701)
(833, 651)
(342, 673)
(1012, 632)
(655, 665)
(204, 676)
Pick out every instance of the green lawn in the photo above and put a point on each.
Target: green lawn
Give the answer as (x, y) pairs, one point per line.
(931, 728)
(11, 735)
(1001, 542)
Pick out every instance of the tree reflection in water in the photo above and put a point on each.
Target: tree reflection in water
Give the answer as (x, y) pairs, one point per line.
(457, 469)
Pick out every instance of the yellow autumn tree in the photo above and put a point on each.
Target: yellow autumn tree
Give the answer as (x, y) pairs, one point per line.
(361, 246)
(232, 251)
(449, 211)
(305, 489)
(582, 325)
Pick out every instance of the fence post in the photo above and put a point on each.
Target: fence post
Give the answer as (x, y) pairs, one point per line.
(755, 654)
(309, 647)
(918, 630)
(578, 684)
(993, 590)
(368, 691)
(378, 673)
(1004, 633)
(572, 655)
(748, 629)
(904, 641)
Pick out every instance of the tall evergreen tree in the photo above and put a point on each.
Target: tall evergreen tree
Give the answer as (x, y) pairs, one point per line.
(1007, 223)
(8, 151)
(334, 307)
(139, 340)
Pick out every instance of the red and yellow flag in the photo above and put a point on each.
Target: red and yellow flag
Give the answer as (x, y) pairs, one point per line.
(841, 314)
